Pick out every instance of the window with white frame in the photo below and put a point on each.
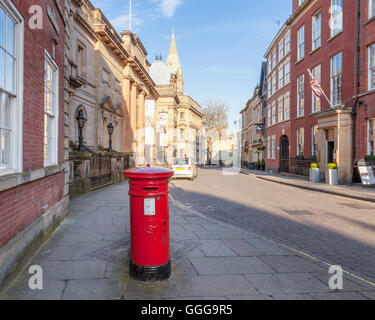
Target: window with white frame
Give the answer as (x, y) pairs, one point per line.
(371, 8)
(287, 72)
(269, 87)
(274, 58)
(281, 109)
(300, 2)
(182, 134)
(301, 95)
(11, 88)
(269, 65)
(268, 147)
(336, 79)
(274, 112)
(274, 83)
(286, 107)
(51, 110)
(287, 42)
(269, 116)
(281, 49)
(301, 43)
(314, 140)
(281, 77)
(316, 30)
(371, 69)
(300, 141)
(371, 137)
(273, 147)
(336, 17)
(316, 103)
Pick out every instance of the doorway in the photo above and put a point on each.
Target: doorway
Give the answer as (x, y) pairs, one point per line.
(284, 154)
(330, 151)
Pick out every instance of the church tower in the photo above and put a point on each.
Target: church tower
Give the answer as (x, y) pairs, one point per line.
(174, 66)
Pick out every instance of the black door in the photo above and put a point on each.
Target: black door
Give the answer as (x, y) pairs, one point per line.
(331, 148)
(284, 154)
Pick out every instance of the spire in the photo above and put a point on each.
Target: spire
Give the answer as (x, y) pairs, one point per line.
(174, 65)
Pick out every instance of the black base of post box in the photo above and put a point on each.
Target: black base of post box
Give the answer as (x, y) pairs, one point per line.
(150, 274)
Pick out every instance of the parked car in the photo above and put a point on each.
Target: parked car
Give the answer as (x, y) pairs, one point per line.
(184, 168)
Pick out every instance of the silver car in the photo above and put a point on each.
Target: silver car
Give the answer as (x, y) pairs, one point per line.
(184, 168)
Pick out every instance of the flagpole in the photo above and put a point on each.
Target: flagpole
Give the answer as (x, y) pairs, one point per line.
(324, 94)
(130, 15)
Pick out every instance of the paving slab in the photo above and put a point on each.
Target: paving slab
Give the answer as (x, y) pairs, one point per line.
(222, 285)
(96, 289)
(230, 265)
(291, 264)
(267, 284)
(302, 283)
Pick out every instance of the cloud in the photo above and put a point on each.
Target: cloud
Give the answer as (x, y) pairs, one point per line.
(169, 7)
(121, 22)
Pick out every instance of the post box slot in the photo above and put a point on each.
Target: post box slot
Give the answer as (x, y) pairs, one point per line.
(150, 189)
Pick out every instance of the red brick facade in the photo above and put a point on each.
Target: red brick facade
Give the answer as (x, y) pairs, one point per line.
(38, 188)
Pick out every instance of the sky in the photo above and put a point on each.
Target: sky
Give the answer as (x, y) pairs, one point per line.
(221, 43)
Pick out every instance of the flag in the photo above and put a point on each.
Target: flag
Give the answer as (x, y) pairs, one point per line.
(315, 86)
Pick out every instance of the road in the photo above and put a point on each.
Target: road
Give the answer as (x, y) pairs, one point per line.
(339, 231)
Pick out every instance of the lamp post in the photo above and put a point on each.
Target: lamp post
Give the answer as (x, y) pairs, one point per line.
(110, 129)
(81, 123)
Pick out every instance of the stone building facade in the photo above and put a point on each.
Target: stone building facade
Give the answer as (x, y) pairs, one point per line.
(179, 129)
(33, 191)
(109, 84)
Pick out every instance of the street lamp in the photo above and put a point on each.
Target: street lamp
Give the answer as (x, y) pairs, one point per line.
(110, 129)
(81, 123)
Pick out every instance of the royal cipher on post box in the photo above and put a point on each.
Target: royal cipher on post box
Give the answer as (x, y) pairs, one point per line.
(149, 223)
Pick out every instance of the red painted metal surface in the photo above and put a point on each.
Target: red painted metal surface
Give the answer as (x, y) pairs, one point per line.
(149, 229)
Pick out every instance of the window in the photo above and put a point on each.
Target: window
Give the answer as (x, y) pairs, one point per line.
(371, 137)
(336, 17)
(274, 59)
(268, 116)
(300, 141)
(301, 95)
(287, 42)
(268, 147)
(281, 77)
(317, 30)
(50, 110)
(274, 113)
(269, 87)
(274, 84)
(182, 134)
(281, 49)
(371, 70)
(81, 61)
(106, 78)
(269, 66)
(287, 72)
(281, 109)
(301, 43)
(300, 2)
(316, 104)
(11, 88)
(336, 79)
(314, 140)
(182, 153)
(286, 107)
(273, 147)
(371, 8)
(182, 116)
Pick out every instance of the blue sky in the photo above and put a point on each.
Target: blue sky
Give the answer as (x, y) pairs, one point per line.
(221, 43)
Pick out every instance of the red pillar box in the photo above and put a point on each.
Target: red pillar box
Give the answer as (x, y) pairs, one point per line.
(149, 223)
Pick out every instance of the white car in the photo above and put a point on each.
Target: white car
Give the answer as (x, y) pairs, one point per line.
(184, 168)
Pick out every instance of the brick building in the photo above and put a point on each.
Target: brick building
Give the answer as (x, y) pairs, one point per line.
(33, 195)
(277, 131)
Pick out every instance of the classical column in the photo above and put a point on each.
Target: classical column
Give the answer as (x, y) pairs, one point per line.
(127, 137)
(133, 115)
(141, 127)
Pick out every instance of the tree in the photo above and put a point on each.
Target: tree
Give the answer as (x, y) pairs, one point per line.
(215, 116)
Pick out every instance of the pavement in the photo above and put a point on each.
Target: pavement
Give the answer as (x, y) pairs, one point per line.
(357, 191)
(87, 258)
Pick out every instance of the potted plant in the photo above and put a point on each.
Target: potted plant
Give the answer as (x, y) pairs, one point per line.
(314, 172)
(259, 163)
(332, 176)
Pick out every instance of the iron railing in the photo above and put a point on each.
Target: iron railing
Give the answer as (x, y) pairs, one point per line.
(300, 166)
